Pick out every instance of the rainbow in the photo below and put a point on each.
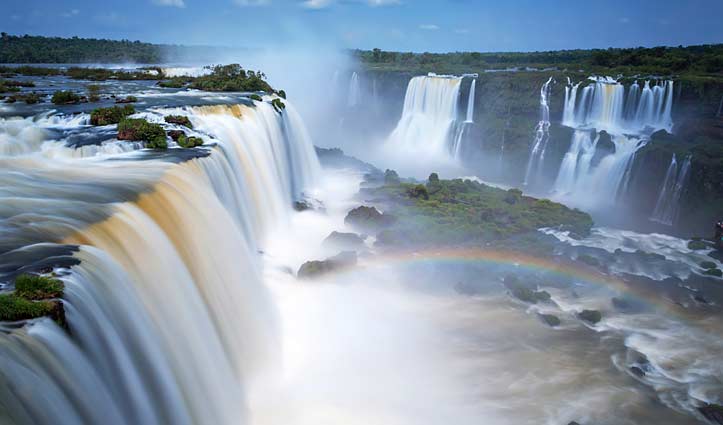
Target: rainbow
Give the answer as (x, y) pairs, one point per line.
(560, 267)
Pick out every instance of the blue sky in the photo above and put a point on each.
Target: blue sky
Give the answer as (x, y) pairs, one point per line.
(431, 25)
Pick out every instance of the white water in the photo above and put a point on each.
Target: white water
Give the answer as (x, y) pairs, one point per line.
(629, 117)
(542, 136)
(168, 315)
(470, 102)
(429, 119)
(668, 203)
(354, 91)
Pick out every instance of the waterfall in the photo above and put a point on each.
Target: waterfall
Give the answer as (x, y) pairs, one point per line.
(354, 91)
(470, 102)
(605, 105)
(429, 120)
(542, 135)
(668, 203)
(630, 117)
(167, 313)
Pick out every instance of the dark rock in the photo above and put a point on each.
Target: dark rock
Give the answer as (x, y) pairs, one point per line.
(550, 319)
(368, 219)
(637, 371)
(314, 269)
(175, 134)
(589, 260)
(697, 245)
(344, 241)
(714, 272)
(712, 412)
(590, 316)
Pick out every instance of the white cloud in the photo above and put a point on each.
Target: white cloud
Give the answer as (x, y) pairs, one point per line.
(70, 13)
(375, 3)
(429, 27)
(172, 3)
(317, 4)
(252, 3)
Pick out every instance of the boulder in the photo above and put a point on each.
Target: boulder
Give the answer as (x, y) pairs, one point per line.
(314, 269)
(712, 412)
(550, 319)
(590, 316)
(175, 134)
(368, 219)
(697, 245)
(344, 241)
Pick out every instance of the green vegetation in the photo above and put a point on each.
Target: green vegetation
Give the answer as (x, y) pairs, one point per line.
(314, 269)
(65, 97)
(256, 98)
(34, 287)
(112, 115)
(178, 119)
(176, 82)
(36, 49)
(32, 299)
(697, 245)
(231, 78)
(127, 99)
(14, 83)
(101, 74)
(462, 211)
(700, 60)
(550, 319)
(708, 265)
(139, 129)
(714, 272)
(590, 316)
(93, 92)
(189, 141)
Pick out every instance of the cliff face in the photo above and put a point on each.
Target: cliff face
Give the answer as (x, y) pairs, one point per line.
(507, 109)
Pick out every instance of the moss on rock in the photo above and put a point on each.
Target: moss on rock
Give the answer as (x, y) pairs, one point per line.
(112, 115)
(139, 129)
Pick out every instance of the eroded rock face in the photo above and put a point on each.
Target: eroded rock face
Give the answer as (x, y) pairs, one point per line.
(314, 269)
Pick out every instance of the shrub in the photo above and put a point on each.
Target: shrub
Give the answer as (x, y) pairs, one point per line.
(391, 177)
(256, 97)
(112, 115)
(278, 105)
(178, 119)
(139, 129)
(14, 308)
(34, 287)
(127, 99)
(93, 92)
(418, 191)
(189, 141)
(282, 94)
(65, 97)
(232, 78)
(696, 245)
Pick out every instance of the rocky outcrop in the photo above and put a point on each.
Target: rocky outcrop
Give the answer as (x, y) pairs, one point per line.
(315, 269)
(344, 241)
(368, 219)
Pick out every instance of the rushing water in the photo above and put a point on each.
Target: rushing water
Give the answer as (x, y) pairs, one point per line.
(542, 136)
(668, 203)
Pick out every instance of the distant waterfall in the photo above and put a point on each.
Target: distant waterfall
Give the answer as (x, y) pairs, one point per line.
(354, 91)
(168, 314)
(630, 117)
(470, 103)
(605, 105)
(668, 204)
(542, 135)
(429, 119)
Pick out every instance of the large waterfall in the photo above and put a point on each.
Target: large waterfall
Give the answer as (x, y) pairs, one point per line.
(429, 119)
(354, 91)
(628, 116)
(542, 135)
(167, 314)
(668, 203)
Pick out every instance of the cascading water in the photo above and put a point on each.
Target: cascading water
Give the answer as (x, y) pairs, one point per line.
(354, 91)
(542, 135)
(668, 203)
(429, 118)
(167, 314)
(630, 118)
(470, 102)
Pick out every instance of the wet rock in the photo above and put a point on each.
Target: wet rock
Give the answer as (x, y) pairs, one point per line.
(308, 204)
(344, 241)
(712, 412)
(550, 319)
(314, 269)
(590, 316)
(589, 260)
(175, 134)
(637, 371)
(368, 219)
(713, 272)
(697, 245)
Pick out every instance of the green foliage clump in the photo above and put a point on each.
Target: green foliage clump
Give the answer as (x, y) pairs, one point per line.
(65, 97)
(256, 97)
(93, 92)
(139, 129)
(697, 245)
(232, 78)
(463, 211)
(282, 94)
(708, 265)
(590, 316)
(189, 141)
(112, 115)
(101, 74)
(15, 83)
(127, 99)
(31, 71)
(278, 105)
(175, 82)
(178, 119)
(8, 89)
(34, 287)
(14, 308)
(714, 272)
(391, 177)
